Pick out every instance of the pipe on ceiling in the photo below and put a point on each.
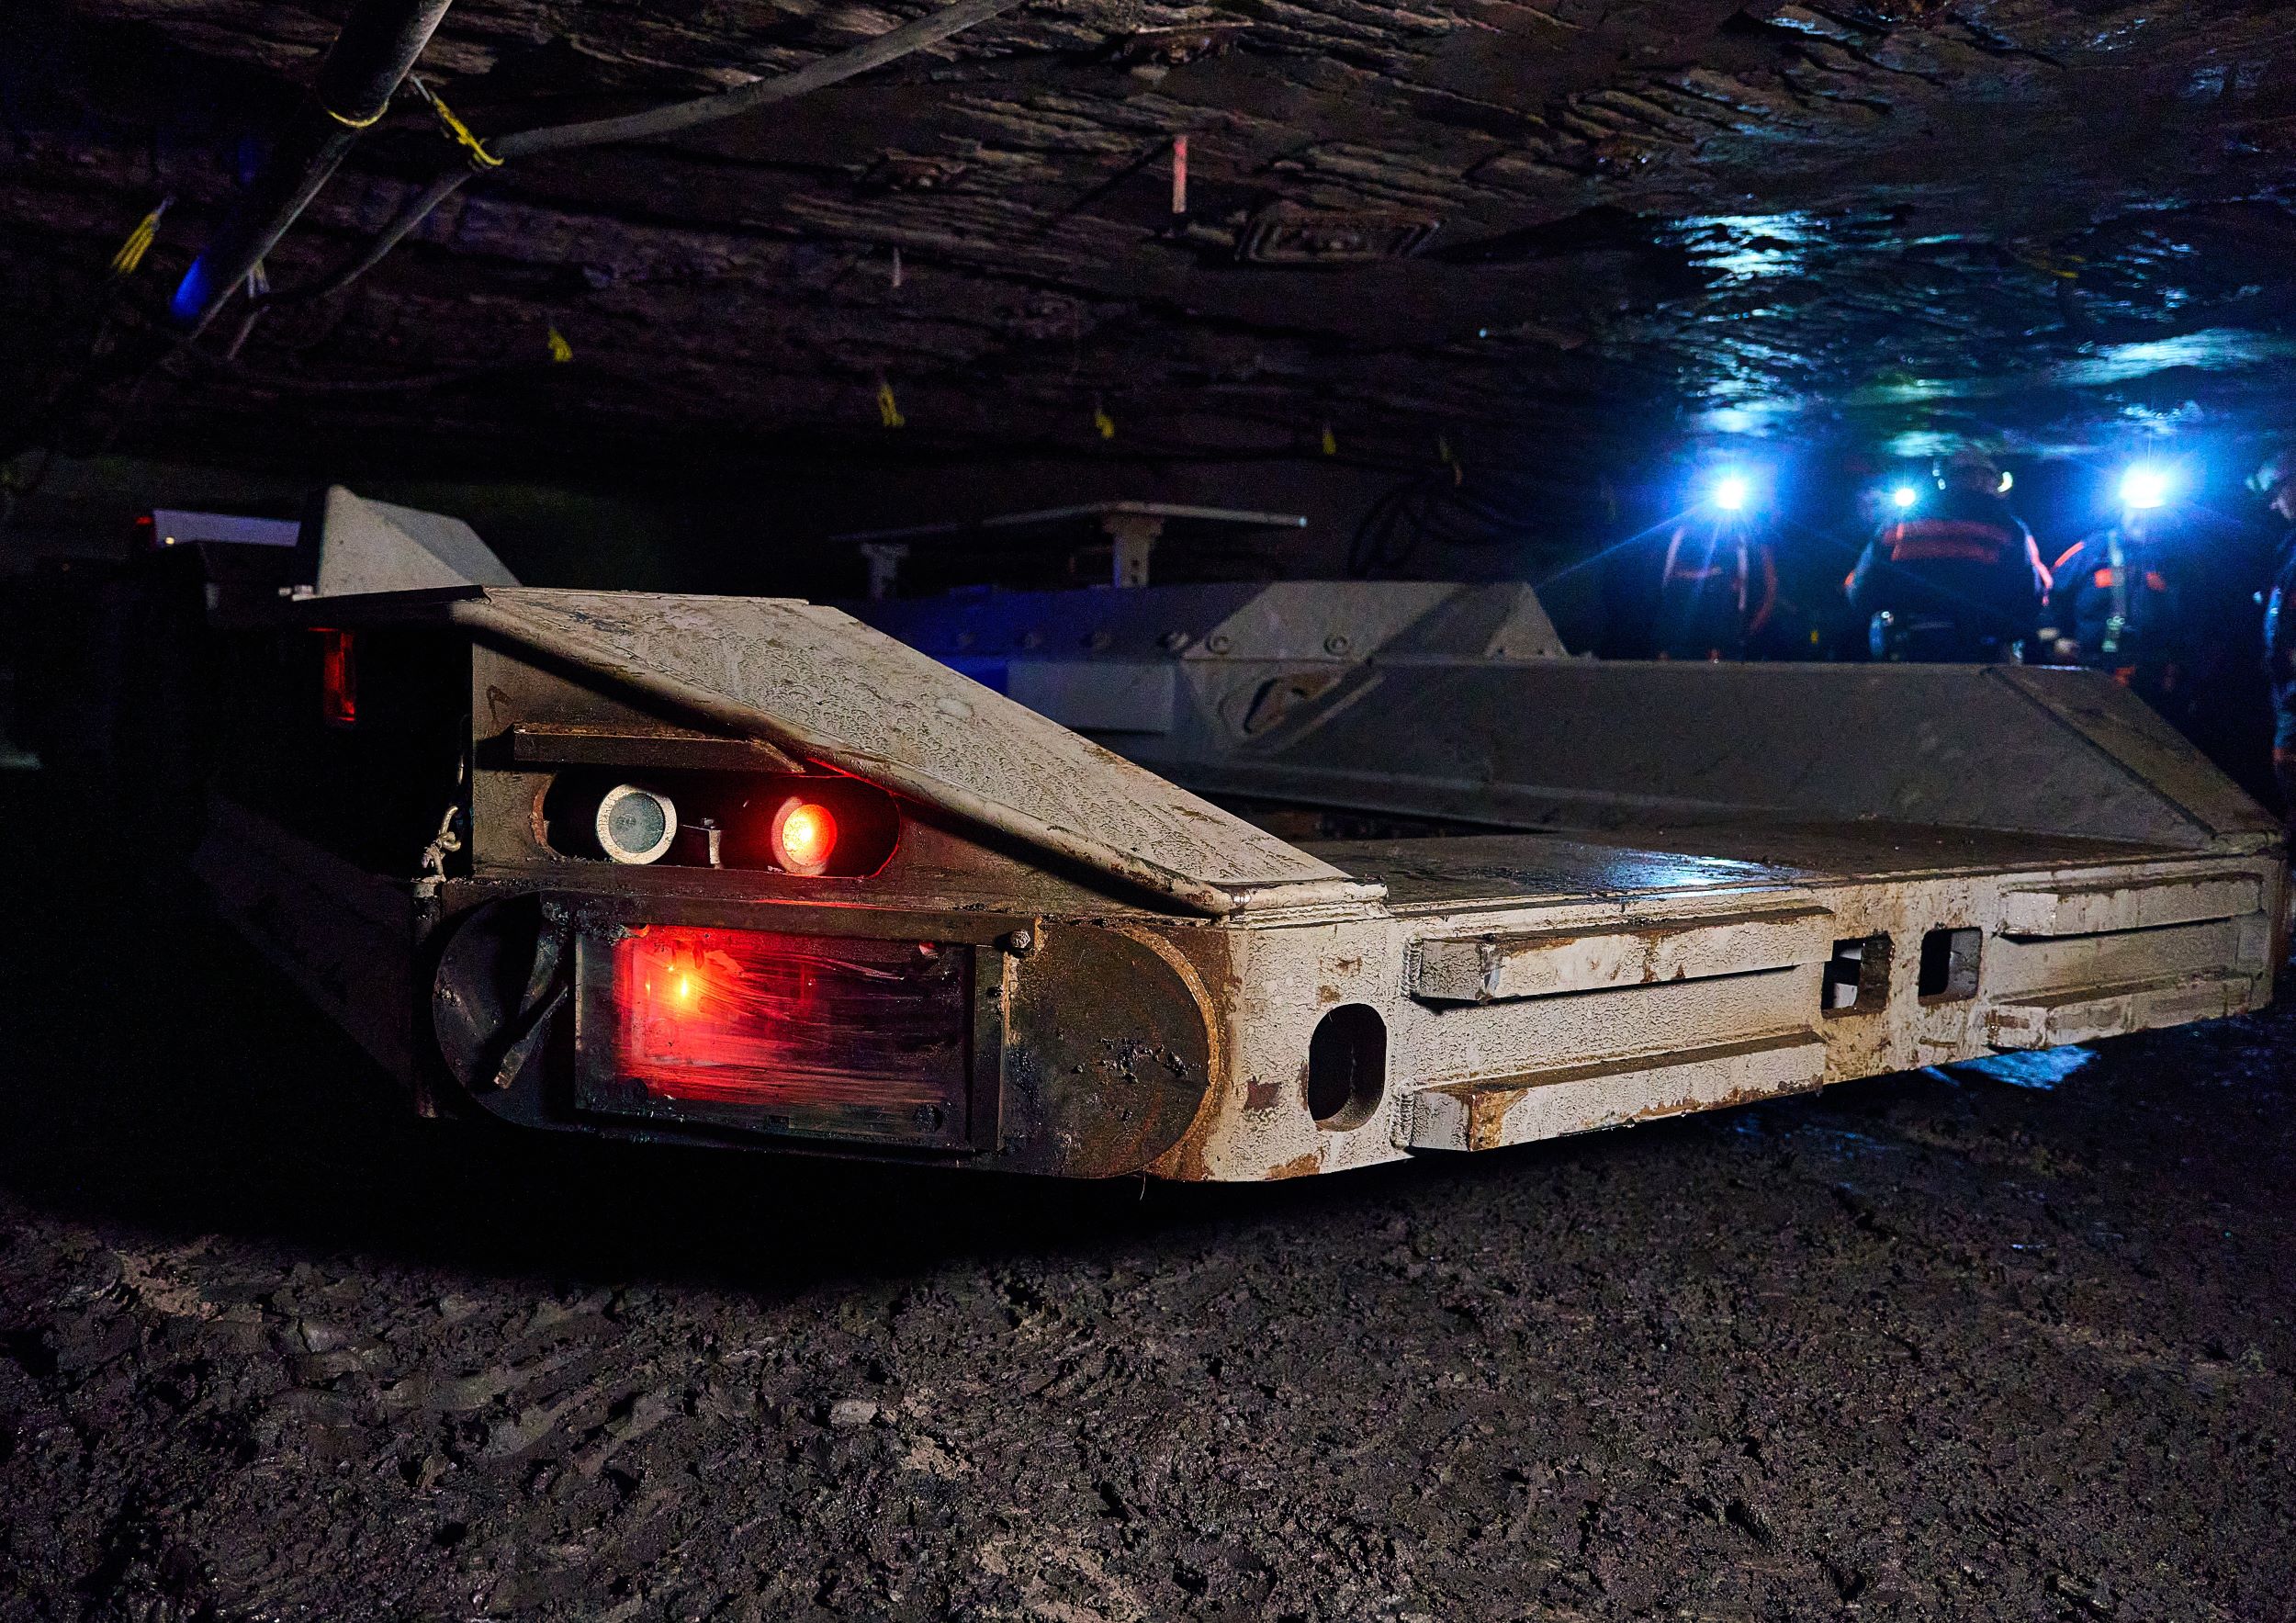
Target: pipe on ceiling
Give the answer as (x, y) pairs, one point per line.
(371, 56)
(889, 47)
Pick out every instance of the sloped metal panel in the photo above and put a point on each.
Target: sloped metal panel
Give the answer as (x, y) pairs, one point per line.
(366, 547)
(1456, 702)
(1099, 697)
(1571, 743)
(822, 683)
(1324, 623)
(2121, 726)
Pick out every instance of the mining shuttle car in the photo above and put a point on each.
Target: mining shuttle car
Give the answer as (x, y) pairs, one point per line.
(1219, 882)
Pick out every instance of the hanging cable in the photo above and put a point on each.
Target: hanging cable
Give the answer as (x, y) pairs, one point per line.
(364, 67)
(369, 59)
(904, 40)
(489, 155)
(1443, 506)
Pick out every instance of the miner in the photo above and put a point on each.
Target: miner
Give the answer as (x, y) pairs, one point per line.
(2276, 482)
(1956, 576)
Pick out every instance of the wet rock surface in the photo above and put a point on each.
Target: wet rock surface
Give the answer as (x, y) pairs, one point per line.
(1917, 1348)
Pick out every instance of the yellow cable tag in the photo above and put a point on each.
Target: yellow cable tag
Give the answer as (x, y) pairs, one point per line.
(888, 409)
(455, 128)
(1331, 441)
(559, 349)
(131, 252)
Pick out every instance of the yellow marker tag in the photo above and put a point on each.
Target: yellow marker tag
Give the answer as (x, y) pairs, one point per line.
(559, 349)
(1331, 441)
(138, 244)
(1103, 422)
(455, 128)
(888, 409)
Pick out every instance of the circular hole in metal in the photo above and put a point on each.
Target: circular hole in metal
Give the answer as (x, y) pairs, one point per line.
(1346, 1066)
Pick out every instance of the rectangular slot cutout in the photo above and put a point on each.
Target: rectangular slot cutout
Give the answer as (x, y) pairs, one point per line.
(1949, 964)
(1857, 975)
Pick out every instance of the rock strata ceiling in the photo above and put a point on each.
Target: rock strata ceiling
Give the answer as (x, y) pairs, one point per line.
(1419, 228)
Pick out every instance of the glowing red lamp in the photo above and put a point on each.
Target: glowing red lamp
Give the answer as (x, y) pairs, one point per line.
(338, 679)
(805, 834)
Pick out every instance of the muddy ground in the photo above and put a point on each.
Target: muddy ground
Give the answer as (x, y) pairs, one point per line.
(1920, 1347)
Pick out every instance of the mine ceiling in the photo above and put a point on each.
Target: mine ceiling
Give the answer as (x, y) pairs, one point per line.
(1447, 227)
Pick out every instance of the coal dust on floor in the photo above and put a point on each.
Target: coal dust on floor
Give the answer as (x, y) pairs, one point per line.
(1926, 1346)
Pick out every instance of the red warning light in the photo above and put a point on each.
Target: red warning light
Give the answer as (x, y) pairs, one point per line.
(804, 833)
(338, 679)
(841, 1037)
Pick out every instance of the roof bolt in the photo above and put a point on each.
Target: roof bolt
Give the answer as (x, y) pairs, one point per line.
(1220, 642)
(1336, 644)
(1174, 641)
(1021, 943)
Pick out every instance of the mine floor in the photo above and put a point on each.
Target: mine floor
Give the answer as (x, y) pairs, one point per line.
(1929, 1346)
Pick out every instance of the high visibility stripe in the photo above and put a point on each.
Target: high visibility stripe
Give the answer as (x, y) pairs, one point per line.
(1966, 540)
(1968, 529)
(1924, 548)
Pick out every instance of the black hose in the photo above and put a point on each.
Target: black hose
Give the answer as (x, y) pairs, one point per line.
(885, 47)
(1429, 507)
(911, 37)
(442, 187)
(373, 55)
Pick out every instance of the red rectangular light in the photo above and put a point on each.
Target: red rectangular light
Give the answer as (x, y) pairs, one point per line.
(821, 1035)
(338, 679)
